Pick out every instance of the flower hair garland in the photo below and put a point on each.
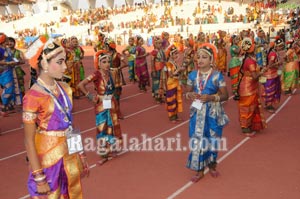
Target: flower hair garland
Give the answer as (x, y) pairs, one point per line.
(210, 49)
(34, 50)
(98, 56)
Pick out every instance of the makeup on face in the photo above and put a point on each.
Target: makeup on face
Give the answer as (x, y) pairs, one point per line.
(203, 59)
(105, 63)
(57, 66)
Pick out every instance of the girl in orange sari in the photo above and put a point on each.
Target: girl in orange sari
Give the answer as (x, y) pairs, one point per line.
(174, 91)
(221, 62)
(250, 110)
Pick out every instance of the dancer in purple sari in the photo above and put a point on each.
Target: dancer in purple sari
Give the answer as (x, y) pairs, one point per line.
(272, 87)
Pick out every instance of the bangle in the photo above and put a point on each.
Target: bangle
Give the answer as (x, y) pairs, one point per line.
(90, 96)
(217, 97)
(41, 183)
(82, 154)
(87, 93)
(35, 172)
(40, 179)
(38, 174)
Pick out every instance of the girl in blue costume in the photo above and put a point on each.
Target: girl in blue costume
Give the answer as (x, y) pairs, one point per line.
(6, 76)
(207, 89)
(18, 72)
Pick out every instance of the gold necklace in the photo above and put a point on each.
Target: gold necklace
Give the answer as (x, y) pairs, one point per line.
(52, 88)
(106, 79)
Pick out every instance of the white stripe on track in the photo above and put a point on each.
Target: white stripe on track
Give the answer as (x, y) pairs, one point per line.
(11, 156)
(77, 112)
(86, 130)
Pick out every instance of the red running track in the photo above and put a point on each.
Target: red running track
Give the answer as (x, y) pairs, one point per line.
(266, 166)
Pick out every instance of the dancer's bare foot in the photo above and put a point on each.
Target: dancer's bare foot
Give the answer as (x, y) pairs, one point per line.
(214, 173)
(120, 116)
(197, 177)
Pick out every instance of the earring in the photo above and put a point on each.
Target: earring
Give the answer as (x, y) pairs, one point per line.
(46, 70)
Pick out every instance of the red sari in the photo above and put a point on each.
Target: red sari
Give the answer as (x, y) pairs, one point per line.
(250, 109)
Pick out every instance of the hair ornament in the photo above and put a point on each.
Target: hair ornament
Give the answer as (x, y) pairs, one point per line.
(64, 42)
(99, 55)
(279, 42)
(171, 50)
(110, 42)
(210, 49)
(34, 50)
(248, 45)
(2, 38)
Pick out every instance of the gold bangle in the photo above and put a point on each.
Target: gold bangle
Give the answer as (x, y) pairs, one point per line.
(41, 183)
(40, 179)
(36, 171)
(217, 98)
(82, 154)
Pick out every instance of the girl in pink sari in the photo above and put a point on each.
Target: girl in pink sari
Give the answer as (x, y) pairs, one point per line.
(141, 65)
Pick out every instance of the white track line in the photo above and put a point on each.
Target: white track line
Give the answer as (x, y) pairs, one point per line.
(138, 112)
(87, 130)
(77, 112)
(24, 197)
(11, 156)
(187, 185)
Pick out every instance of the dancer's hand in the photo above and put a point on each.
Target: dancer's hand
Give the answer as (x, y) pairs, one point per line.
(206, 98)
(43, 188)
(85, 165)
(192, 95)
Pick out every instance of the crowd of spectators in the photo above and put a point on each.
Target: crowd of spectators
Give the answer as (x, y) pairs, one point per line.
(100, 19)
(11, 17)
